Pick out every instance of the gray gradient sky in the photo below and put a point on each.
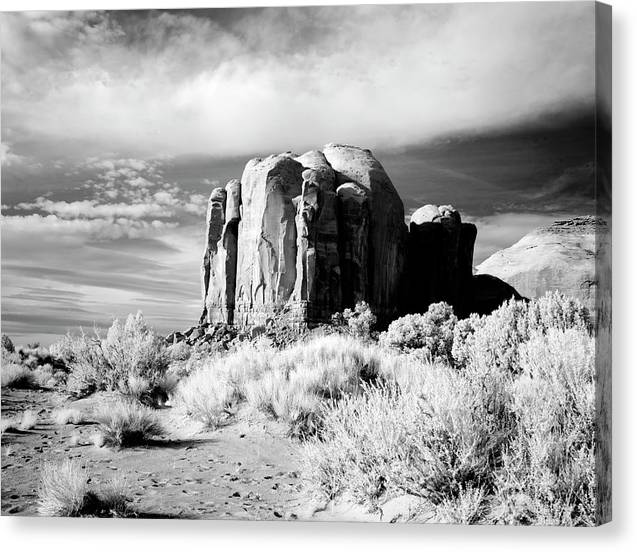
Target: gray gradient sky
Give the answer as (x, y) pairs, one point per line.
(116, 125)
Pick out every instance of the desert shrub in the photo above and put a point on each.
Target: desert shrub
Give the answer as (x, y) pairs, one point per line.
(133, 349)
(299, 379)
(506, 441)
(179, 352)
(17, 376)
(126, 424)
(216, 384)
(360, 321)
(431, 332)
(67, 416)
(286, 384)
(495, 339)
(65, 492)
(7, 344)
(131, 359)
(431, 441)
(84, 355)
(548, 472)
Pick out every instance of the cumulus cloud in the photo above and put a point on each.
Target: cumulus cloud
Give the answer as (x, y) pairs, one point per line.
(289, 78)
(51, 228)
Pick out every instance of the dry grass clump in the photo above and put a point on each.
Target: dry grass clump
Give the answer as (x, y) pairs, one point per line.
(127, 424)
(8, 424)
(64, 492)
(28, 420)
(16, 376)
(217, 384)
(68, 416)
(289, 385)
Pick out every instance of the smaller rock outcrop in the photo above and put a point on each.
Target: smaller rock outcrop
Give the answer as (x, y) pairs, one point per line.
(440, 258)
(488, 292)
(571, 256)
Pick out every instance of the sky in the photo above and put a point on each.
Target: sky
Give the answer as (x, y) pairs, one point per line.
(115, 126)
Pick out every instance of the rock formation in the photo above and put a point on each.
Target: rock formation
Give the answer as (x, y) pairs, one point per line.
(219, 266)
(440, 258)
(387, 234)
(314, 234)
(568, 255)
(487, 293)
(302, 237)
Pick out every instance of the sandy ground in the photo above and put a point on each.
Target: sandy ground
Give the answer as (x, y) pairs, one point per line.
(248, 469)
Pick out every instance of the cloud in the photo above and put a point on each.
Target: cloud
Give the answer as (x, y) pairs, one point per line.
(52, 228)
(287, 78)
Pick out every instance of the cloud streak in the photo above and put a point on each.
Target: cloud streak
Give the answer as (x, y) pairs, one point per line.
(287, 78)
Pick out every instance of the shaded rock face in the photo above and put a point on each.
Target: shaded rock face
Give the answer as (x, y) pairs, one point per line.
(387, 234)
(304, 237)
(487, 293)
(569, 256)
(440, 258)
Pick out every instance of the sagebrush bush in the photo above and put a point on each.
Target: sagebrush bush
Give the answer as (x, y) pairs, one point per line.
(133, 349)
(548, 473)
(131, 359)
(431, 332)
(127, 424)
(495, 339)
(84, 356)
(65, 492)
(360, 321)
(430, 440)
(508, 438)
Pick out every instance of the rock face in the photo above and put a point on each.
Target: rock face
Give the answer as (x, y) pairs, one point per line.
(488, 292)
(440, 258)
(387, 235)
(568, 255)
(304, 237)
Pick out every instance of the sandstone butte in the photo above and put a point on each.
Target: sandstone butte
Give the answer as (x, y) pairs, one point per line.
(300, 237)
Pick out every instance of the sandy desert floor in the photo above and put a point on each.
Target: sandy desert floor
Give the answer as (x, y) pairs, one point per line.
(248, 469)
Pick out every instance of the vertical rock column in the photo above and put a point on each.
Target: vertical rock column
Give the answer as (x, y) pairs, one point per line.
(353, 242)
(230, 245)
(215, 219)
(219, 266)
(318, 285)
(266, 263)
(387, 236)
